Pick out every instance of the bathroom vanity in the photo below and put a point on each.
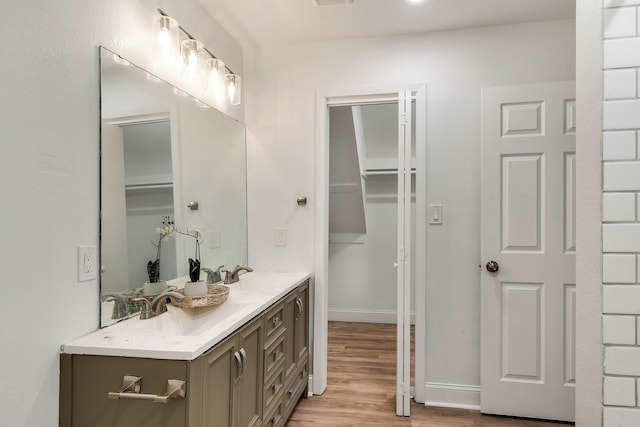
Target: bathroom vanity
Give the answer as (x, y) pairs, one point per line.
(243, 363)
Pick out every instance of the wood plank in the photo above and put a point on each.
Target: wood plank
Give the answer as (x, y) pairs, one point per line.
(361, 387)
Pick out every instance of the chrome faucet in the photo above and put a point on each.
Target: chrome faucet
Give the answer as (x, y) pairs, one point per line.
(213, 276)
(121, 306)
(232, 276)
(159, 303)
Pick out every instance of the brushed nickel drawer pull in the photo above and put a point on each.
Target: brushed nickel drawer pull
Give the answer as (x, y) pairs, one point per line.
(176, 389)
(275, 387)
(275, 321)
(275, 420)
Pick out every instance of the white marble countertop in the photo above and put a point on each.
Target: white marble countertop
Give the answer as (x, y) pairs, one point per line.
(185, 334)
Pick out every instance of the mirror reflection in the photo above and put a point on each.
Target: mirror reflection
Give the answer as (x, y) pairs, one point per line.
(170, 166)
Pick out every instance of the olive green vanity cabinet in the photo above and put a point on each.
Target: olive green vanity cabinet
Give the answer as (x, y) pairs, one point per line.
(232, 393)
(297, 349)
(252, 378)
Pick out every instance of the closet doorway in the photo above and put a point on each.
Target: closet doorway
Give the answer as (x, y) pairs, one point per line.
(370, 202)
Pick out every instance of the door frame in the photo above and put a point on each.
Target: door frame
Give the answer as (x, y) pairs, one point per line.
(345, 96)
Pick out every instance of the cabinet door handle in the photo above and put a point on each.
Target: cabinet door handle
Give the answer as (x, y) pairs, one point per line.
(275, 321)
(243, 354)
(239, 367)
(276, 354)
(275, 387)
(300, 306)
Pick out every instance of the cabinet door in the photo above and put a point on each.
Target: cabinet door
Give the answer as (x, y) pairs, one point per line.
(290, 317)
(250, 344)
(222, 369)
(302, 323)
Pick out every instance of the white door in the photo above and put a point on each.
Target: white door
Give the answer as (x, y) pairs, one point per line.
(403, 373)
(528, 231)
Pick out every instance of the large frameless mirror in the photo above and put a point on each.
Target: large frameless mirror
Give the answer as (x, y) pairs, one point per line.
(168, 163)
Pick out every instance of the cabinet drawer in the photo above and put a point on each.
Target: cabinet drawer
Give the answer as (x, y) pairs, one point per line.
(275, 418)
(273, 322)
(273, 390)
(294, 389)
(274, 355)
(93, 377)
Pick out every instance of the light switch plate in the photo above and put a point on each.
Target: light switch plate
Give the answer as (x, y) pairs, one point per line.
(280, 237)
(87, 263)
(435, 214)
(213, 237)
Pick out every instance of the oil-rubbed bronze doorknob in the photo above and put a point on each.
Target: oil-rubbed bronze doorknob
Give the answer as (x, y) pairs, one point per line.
(492, 266)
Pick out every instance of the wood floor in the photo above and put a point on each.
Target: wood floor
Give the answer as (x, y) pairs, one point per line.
(361, 387)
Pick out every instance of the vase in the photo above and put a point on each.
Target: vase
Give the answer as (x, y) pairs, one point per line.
(154, 288)
(195, 289)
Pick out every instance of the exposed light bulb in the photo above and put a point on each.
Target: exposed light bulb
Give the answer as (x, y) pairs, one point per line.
(216, 77)
(163, 41)
(192, 52)
(233, 88)
(166, 34)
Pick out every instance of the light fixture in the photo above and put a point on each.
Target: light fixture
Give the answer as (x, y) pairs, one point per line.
(192, 56)
(166, 31)
(216, 72)
(196, 60)
(234, 88)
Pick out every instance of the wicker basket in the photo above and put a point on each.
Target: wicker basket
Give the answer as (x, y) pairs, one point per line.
(216, 295)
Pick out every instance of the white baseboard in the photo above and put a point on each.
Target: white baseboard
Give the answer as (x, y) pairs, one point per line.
(452, 395)
(366, 316)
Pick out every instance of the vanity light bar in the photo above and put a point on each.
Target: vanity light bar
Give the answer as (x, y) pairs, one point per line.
(192, 53)
(188, 34)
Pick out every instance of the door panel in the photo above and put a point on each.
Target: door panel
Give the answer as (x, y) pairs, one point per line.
(521, 202)
(403, 373)
(528, 228)
(521, 331)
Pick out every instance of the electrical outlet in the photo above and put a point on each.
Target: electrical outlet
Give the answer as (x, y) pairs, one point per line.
(87, 263)
(280, 237)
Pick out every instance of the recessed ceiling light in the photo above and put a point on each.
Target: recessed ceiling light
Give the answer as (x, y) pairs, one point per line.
(330, 2)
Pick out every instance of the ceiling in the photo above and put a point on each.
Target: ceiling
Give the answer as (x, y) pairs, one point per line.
(268, 22)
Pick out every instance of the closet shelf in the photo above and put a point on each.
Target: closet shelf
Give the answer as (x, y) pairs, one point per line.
(133, 187)
(373, 172)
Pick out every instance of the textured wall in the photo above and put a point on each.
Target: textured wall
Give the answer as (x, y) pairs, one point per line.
(49, 187)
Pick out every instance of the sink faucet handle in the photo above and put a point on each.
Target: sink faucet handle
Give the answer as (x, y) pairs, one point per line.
(145, 311)
(233, 276)
(159, 304)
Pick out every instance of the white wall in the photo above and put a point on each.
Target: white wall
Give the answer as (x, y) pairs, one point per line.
(455, 65)
(49, 130)
(588, 221)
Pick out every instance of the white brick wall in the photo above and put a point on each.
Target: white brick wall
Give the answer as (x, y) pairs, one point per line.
(621, 213)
